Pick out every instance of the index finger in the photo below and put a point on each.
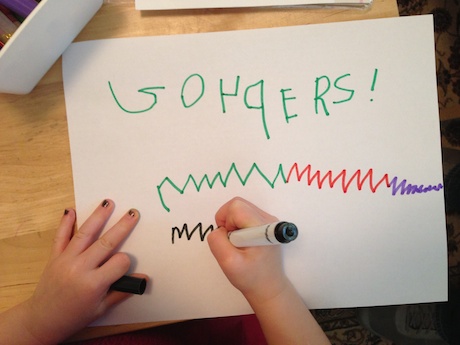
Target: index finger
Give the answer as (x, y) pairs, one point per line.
(91, 228)
(239, 213)
(101, 249)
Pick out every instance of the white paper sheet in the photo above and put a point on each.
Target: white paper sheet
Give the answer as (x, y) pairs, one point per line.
(150, 118)
(188, 4)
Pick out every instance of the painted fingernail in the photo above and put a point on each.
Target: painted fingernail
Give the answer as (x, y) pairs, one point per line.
(105, 203)
(66, 212)
(132, 213)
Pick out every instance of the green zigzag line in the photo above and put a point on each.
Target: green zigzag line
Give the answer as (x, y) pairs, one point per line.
(206, 181)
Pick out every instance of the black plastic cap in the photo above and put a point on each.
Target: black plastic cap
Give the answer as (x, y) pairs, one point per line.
(286, 232)
(130, 284)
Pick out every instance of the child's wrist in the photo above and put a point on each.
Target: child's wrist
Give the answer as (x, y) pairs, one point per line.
(269, 293)
(25, 319)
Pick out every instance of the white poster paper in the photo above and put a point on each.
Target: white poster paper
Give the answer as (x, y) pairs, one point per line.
(333, 127)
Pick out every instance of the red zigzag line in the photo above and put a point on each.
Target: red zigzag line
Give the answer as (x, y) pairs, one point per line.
(328, 177)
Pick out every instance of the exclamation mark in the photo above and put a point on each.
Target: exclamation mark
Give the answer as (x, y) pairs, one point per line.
(376, 71)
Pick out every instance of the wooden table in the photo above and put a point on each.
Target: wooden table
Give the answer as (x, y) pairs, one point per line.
(35, 169)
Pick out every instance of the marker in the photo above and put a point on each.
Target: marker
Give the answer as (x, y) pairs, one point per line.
(21, 7)
(264, 235)
(130, 284)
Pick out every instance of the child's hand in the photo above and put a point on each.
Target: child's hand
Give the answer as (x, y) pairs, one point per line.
(256, 271)
(73, 290)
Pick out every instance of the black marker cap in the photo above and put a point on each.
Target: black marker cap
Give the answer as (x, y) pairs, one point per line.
(130, 284)
(286, 232)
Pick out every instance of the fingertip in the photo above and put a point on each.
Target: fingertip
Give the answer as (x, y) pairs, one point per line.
(106, 207)
(133, 214)
(68, 221)
(141, 275)
(64, 231)
(107, 203)
(115, 297)
(122, 260)
(69, 213)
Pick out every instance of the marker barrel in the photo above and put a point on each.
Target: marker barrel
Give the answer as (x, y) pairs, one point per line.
(264, 235)
(130, 284)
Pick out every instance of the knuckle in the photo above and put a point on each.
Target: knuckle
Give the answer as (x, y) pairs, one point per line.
(81, 235)
(236, 204)
(105, 243)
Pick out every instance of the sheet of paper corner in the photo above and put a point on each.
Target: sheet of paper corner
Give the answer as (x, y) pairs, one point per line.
(187, 4)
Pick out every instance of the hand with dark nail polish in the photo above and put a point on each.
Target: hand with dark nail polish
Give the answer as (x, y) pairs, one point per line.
(74, 289)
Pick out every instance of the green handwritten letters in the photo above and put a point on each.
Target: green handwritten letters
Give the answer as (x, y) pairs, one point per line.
(254, 95)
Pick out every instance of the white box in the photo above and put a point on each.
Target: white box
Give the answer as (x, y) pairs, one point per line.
(40, 40)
